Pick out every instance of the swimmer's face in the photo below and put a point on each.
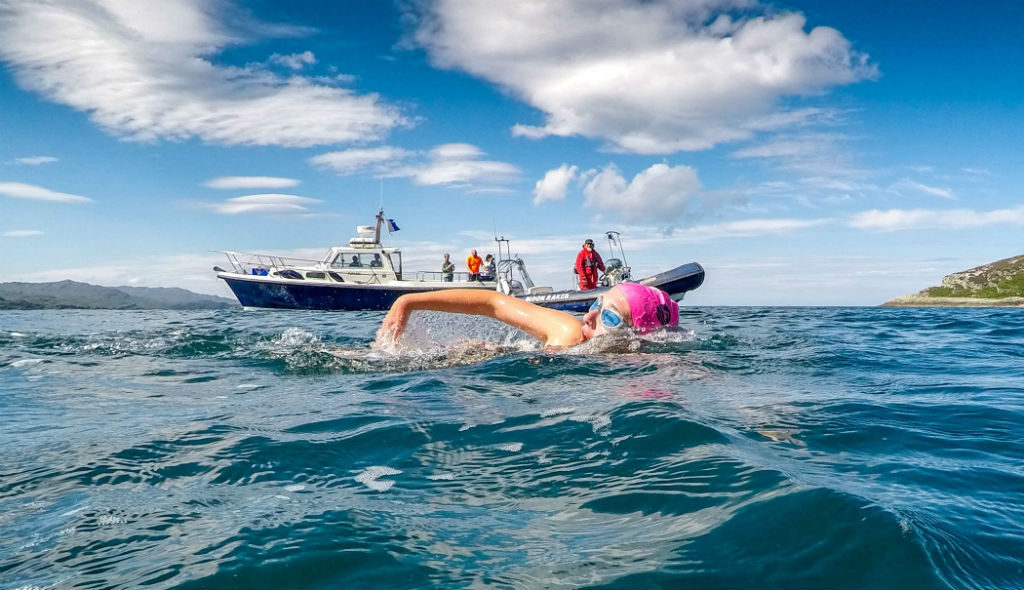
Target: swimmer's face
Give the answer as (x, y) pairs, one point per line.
(613, 300)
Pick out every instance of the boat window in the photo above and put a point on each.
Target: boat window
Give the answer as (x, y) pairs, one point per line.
(396, 262)
(290, 274)
(349, 260)
(336, 277)
(315, 275)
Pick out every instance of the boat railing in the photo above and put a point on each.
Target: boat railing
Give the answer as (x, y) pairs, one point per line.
(248, 263)
(426, 275)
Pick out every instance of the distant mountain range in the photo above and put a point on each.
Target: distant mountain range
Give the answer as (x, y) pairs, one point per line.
(998, 284)
(74, 295)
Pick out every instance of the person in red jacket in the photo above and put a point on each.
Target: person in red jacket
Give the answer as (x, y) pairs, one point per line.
(587, 263)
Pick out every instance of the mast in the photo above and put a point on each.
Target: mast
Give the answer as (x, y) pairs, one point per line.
(376, 232)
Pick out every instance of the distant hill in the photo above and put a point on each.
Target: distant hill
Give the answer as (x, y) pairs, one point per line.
(999, 284)
(74, 295)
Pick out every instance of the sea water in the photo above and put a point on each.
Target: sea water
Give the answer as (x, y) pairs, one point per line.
(754, 447)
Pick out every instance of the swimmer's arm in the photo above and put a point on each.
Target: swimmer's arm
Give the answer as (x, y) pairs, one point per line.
(554, 328)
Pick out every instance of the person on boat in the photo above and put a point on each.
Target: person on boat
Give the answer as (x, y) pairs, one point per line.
(376, 261)
(355, 261)
(588, 261)
(473, 263)
(624, 306)
(488, 270)
(447, 270)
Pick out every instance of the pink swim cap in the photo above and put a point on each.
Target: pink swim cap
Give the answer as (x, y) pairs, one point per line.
(649, 307)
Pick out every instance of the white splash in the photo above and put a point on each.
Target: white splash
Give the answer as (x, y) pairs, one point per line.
(596, 422)
(296, 337)
(511, 447)
(370, 477)
(110, 520)
(26, 363)
(556, 412)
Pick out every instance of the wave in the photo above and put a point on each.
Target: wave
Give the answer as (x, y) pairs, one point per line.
(766, 447)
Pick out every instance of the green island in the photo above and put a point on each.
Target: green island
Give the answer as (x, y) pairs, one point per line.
(75, 295)
(998, 284)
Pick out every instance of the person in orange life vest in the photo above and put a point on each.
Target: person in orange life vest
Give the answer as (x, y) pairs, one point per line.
(473, 262)
(587, 263)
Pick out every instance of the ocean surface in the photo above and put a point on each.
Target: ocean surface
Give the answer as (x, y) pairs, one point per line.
(755, 448)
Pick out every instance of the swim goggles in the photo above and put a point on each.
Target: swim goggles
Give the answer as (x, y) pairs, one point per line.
(609, 318)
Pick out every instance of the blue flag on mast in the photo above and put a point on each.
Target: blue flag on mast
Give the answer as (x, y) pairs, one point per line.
(391, 225)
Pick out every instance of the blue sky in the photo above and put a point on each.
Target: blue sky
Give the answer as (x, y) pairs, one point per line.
(806, 153)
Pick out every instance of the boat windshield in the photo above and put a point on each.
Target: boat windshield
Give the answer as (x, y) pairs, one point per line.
(396, 261)
(362, 260)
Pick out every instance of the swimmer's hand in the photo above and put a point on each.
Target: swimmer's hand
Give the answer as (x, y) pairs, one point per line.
(393, 326)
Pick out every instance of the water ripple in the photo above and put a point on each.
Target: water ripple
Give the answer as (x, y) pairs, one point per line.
(757, 447)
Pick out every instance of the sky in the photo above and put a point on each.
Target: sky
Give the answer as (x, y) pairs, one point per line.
(805, 153)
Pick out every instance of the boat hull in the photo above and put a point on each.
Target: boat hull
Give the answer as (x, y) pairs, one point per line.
(254, 291)
(676, 282)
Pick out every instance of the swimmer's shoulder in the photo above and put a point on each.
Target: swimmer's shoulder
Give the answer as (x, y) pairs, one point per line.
(564, 334)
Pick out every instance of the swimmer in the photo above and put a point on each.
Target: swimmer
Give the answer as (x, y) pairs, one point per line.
(627, 305)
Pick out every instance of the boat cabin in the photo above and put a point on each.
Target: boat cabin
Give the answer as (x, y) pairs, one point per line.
(364, 263)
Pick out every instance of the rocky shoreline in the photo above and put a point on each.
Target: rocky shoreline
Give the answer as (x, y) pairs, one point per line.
(997, 284)
(926, 301)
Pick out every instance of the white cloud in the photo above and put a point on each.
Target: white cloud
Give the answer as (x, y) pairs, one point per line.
(237, 182)
(356, 160)
(648, 77)
(777, 149)
(753, 227)
(820, 154)
(935, 191)
(745, 228)
(798, 147)
(554, 184)
(22, 233)
(661, 192)
(446, 164)
(977, 171)
(458, 164)
(34, 160)
(267, 204)
(143, 71)
(836, 184)
(456, 151)
(901, 219)
(461, 172)
(295, 61)
(19, 190)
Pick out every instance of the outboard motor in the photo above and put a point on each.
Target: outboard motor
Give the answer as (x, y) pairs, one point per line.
(615, 272)
(510, 287)
(615, 269)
